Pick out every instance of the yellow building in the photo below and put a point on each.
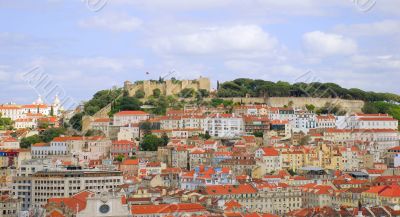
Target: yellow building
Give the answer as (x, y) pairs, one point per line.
(293, 160)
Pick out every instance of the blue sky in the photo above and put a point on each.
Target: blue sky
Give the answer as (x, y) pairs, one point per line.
(87, 45)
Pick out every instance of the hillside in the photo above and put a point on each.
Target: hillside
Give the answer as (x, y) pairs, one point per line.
(242, 87)
(259, 88)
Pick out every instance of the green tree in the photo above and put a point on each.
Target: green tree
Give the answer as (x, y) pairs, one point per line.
(43, 125)
(215, 102)
(119, 158)
(205, 136)
(126, 103)
(165, 139)
(76, 121)
(150, 142)
(51, 111)
(292, 172)
(203, 93)
(93, 132)
(49, 134)
(258, 134)
(156, 93)
(140, 94)
(187, 93)
(310, 107)
(5, 123)
(100, 100)
(27, 142)
(145, 127)
(259, 88)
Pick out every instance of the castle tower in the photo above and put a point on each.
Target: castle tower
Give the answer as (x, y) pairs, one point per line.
(204, 83)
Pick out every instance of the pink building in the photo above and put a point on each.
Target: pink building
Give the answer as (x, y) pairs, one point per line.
(123, 147)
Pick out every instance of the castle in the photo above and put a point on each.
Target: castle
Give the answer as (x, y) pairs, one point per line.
(167, 87)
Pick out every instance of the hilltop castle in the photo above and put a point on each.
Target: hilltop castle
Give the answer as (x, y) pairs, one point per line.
(167, 87)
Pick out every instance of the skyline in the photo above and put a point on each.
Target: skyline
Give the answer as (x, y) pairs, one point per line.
(84, 49)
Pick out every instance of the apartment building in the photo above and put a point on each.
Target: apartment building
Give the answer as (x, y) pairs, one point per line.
(124, 118)
(372, 121)
(64, 182)
(224, 125)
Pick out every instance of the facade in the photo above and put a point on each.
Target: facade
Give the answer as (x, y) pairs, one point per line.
(325, 121)
(372, 121)
(15, 112)
(124, 147)
(168, 87)
(224, 125)
(256, 124)
(270, 159)
(101, 124)
(46, 184)
(9, 207)
(304, 121)
(124, 118)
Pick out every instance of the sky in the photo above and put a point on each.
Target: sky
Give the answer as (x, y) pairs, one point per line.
(77, 47)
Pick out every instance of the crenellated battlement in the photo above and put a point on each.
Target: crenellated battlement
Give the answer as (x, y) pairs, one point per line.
(167, 87)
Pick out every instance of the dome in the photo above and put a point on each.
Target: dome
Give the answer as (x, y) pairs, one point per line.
(39, 101)
(56, 100)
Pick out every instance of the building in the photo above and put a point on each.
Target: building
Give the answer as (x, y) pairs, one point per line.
(124, 118)
(304, 121)
(163, 210)
(392, 158)
(372, 121)
(101, 124)
(9, 207)
(256, 124)
(277, 198)
(46, 184)
(202, 176)
(124, 147)
(325, 121)
(245, 194)
(224, 125)
(15, 112)
(270, 159)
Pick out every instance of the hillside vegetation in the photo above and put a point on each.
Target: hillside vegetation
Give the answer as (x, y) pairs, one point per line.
(259, 88)
(241, 87)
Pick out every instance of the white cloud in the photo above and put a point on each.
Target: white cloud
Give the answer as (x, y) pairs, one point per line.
(234, 40)
(322, 44)
(117, 22)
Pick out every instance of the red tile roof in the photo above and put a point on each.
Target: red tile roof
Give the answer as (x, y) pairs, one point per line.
(167, 208)
(128, 162)
(121, 113)
(270, 151)
(230, 189)
(76, 202)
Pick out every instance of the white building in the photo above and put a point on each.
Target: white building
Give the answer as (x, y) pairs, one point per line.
(64, 183)
(15, 112)
(224, 125)
(129, 133)
(124, 118)
(9, 143)
(326, 121)
(303, 121)
(270, 158)
(372, 121)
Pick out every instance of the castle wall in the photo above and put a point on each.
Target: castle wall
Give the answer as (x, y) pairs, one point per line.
(168, 87)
